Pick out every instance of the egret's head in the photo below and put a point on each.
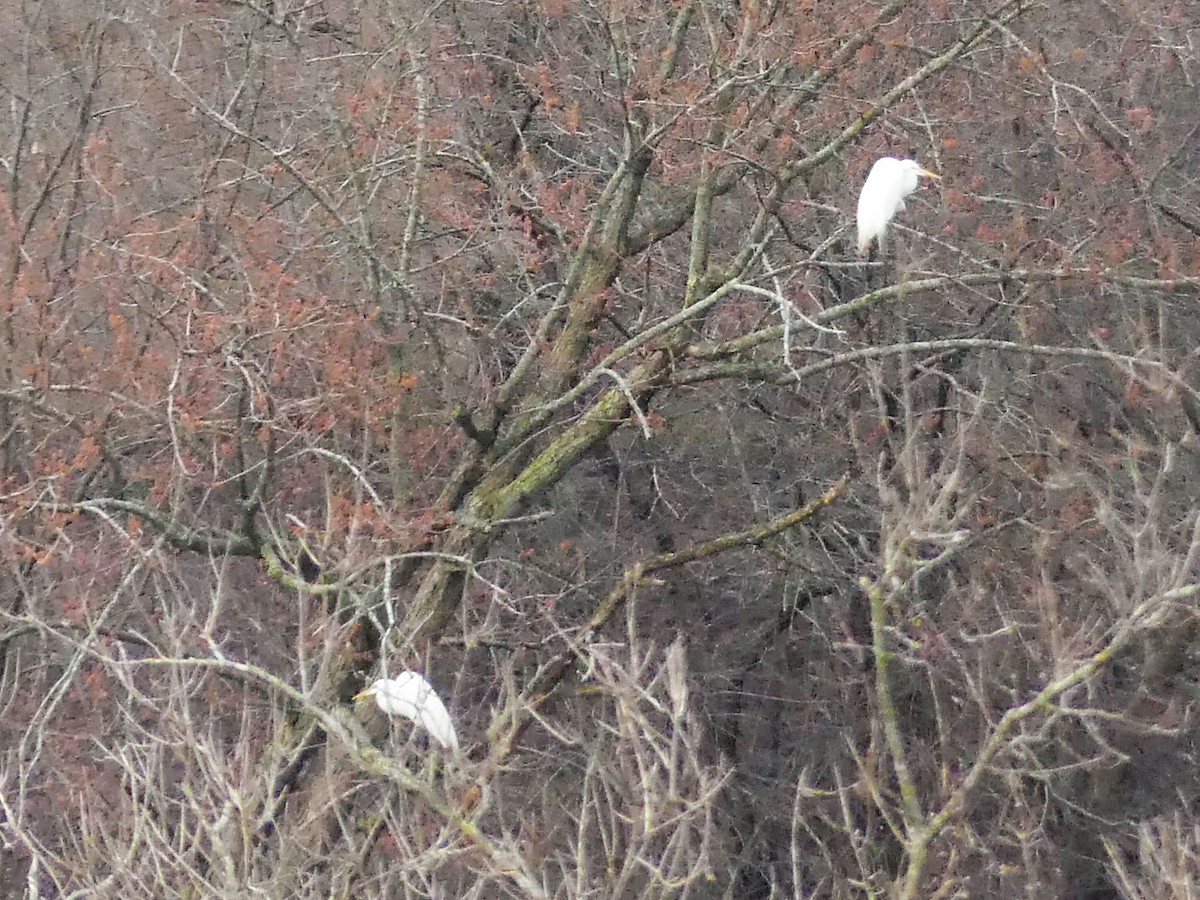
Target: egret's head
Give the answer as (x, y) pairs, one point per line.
(915, 168)
(372, 691)
(903, 177)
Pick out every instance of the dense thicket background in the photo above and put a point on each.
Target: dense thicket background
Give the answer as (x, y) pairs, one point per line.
(523, 343)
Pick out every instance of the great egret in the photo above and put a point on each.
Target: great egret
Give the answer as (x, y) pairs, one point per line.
(411, 696)
(890, 181)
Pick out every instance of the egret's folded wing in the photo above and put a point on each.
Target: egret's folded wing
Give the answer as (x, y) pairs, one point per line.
(428, 709)
(436, 719)
(876, 206)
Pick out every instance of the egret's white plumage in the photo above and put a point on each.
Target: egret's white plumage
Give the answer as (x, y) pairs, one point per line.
(890, 181)
(411, 696)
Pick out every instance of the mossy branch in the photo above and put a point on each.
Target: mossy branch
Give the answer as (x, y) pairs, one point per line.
(505, 730)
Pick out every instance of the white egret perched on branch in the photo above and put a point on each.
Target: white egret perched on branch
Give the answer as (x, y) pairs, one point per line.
(411, 696)
(890, 181)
